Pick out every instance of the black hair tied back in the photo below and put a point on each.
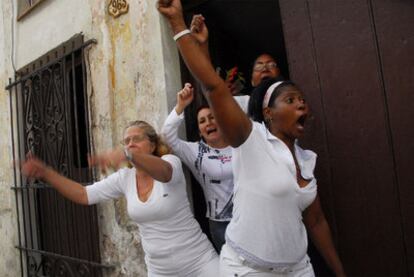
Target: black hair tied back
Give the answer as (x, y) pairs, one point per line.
(255, 108)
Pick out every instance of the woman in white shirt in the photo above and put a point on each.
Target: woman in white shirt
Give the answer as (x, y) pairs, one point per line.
(275, 194)
(209, 159)
(155, 191)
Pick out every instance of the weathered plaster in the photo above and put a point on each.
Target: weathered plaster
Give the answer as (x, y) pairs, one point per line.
(133, 73)
(130, 54)
(48, 25)
(9, 255)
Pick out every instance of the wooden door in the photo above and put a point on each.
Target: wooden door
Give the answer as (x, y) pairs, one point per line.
(355, 62)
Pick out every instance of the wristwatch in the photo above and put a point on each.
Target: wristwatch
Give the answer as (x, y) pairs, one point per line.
(128, 155)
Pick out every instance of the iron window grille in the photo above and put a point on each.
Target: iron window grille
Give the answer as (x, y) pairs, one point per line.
(50, 118)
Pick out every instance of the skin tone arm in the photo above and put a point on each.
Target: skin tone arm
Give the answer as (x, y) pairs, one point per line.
(34, 168)
(199, 31)
(152, 165)
(231, 119)
(318, 228)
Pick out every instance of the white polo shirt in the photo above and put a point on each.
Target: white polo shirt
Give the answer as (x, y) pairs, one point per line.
(172, 239)
(267, 228)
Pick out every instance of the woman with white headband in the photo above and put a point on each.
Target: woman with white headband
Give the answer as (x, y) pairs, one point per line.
(275, 196)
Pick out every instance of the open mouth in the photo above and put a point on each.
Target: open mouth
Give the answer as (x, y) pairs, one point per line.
(301, 120)
(265, 77)
(211, 130)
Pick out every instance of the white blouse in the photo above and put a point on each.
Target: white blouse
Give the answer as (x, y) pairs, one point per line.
(171, 238)
(267, 228)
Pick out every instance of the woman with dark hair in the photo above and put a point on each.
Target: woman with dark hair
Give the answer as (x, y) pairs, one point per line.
(264, 66)
(209, 159)
(155, 191)
(275, 195)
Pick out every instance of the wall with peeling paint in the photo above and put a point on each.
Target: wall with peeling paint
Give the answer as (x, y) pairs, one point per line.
(133, 73)
(9, 255)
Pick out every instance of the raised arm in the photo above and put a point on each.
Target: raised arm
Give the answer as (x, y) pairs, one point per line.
(320, 233)
(170, 128)
(34, 168)
(233, 122)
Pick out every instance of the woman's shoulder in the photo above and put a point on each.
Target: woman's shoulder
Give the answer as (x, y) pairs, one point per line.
(171, 158)
(125, 171)
(175, 162)
(259, 131)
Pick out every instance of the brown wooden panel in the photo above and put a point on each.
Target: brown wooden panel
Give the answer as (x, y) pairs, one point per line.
(331, 45)
(304, 72)
(394, 22)
(367, 208)
(300, 51)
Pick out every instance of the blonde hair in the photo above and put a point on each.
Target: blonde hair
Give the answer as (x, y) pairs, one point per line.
(161, 148)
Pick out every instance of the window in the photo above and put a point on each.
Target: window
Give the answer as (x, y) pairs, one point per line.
(50, 111)
(26, 6)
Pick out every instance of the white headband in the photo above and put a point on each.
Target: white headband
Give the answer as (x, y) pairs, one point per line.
(269, 93)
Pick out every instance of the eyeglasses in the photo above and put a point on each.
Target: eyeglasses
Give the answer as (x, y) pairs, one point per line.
(134, 139)
(262, 66)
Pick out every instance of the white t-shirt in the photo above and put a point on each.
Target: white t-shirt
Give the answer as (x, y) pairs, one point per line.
(210, 166)
(171, 238)
(243, 101)
(267, 228)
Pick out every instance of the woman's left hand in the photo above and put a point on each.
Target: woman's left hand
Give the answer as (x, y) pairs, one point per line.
(199, 29)
(111, 159)
(33, 168)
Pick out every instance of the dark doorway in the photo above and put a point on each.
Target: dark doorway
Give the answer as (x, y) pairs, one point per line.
(239, 31)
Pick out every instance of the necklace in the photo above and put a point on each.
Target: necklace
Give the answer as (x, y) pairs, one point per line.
(144, 189)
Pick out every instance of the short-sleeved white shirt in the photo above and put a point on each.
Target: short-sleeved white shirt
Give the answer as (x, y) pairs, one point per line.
(171, 238)
(267, 228)
(243, 101)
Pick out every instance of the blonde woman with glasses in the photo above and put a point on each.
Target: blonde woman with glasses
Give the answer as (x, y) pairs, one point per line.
(155, 191)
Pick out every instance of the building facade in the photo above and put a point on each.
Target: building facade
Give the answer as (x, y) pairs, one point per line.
(127, 66)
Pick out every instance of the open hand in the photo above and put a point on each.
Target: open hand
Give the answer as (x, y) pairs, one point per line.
(111, 159)
(33, 168)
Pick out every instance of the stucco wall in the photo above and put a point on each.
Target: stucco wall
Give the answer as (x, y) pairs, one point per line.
(131, 71)
(9, 255)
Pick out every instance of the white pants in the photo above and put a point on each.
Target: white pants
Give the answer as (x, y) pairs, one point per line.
(232, 266)
(210, 269)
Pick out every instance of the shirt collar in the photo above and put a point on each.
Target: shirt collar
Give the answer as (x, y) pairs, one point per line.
(306, 158)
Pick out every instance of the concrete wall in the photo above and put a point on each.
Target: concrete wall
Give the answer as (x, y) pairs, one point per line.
(9, 255)
(133, 69)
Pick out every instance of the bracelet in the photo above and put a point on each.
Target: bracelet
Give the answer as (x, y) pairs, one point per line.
(181, 34)
(128, 155)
